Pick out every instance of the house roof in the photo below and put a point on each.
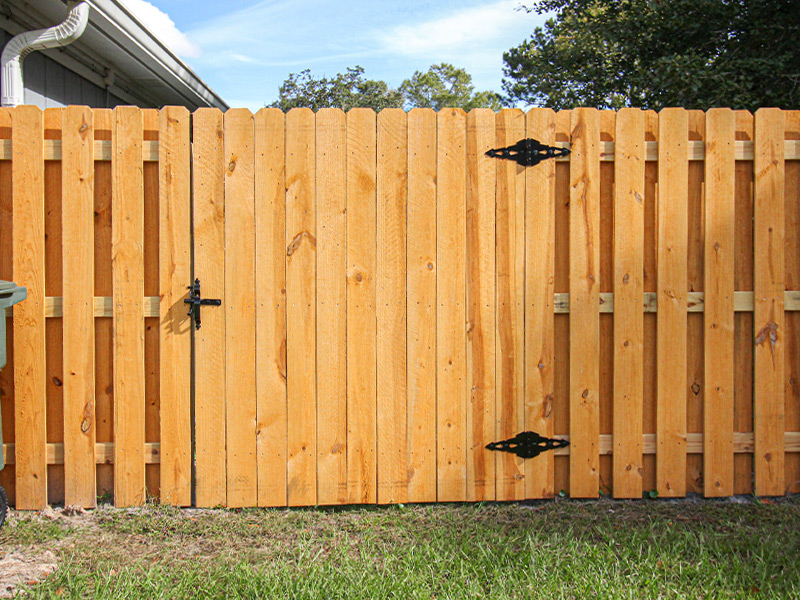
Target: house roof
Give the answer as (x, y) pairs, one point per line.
(116, 52)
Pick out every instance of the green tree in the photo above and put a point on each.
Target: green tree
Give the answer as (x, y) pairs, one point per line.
(445, 86)
(657, 53)
(345, 90)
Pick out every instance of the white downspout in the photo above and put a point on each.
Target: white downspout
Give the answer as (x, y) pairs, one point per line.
(20, 46)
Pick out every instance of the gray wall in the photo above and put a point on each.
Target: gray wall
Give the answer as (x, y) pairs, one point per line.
(51, 85)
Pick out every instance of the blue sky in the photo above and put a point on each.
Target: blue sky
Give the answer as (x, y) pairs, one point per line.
(245, 53)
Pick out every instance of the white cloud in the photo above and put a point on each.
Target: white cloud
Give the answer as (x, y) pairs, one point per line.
(163, 27)
(468, 29)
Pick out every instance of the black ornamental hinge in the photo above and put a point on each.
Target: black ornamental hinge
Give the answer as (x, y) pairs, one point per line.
(528, 152)
(195, 302)
(527, 444)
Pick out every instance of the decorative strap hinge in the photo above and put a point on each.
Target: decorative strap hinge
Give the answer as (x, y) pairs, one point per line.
(528, 152)
(527, 444)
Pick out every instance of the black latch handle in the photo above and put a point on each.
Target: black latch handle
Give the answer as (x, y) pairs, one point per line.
(528, 152)
(195, 302)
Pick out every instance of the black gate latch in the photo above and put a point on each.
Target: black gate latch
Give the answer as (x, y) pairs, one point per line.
(527, 444)
(528, 152)
(195, 302)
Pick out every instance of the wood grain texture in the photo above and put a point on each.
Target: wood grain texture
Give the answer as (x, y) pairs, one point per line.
(7, 410)
(481, 181)
(301, 307)
(561, 324)
(208, 214)
(127, 260)
(629, 166)
(510, 340)
(584, 320)
(769, 323)
(743, 280)
(361, 328)
(791, 373)
(672, 326)
(720, 204)
(104, 354)
(54, 343)
(152, 407)
(240, 306)
(540, 200)
(451, 315)
(331, 148)
(27, 172)
(78, 290)
(270, 207)
(421, 305)
(390, 302)
(175, 327)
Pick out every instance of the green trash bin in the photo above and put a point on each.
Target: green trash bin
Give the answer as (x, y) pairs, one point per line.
(10, 294)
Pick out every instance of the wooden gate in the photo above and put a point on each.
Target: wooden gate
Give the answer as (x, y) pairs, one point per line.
(392, 300)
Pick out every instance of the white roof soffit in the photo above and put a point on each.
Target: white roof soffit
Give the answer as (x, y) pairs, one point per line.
(118, 52)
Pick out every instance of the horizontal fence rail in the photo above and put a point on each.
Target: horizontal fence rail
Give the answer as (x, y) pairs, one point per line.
(393, 299)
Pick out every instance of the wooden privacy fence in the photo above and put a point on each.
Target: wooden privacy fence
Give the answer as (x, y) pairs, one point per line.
(393, 300)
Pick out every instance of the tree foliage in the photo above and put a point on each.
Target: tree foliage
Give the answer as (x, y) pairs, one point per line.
(657, 53)
(347, 90)
(441, 86)
(445, 86)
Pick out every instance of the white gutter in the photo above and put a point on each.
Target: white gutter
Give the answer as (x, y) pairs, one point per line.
(13, 87)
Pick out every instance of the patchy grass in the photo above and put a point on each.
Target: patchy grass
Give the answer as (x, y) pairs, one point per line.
(562, 549)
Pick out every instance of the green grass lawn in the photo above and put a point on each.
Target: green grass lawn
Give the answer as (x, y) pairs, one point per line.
(560, 549)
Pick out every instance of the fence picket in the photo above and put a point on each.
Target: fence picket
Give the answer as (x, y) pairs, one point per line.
(720, 196)
(270, 206)
(769, 328)
(540, 200)
(584, 297)
(301, 307)
(628, 308)
(361, 329)
(510, 342)
(208, 214)
(27, 172)
(451, 407)
(331, 147)
(421, 305)
(672, 323)
(127, 259)
(390, 302)
(175, 327)
(240, 376)
(480, 213)
(78, 291)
